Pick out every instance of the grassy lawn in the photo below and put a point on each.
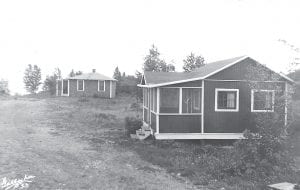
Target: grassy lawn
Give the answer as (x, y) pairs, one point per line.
(185, 160)
(100, 123)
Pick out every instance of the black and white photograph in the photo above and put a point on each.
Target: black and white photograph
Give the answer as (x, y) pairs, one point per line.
(150, 94)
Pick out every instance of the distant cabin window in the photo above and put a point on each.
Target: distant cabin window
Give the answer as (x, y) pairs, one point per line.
(101, 85)
(262, 100)
(191, 100)
(227, 100)
(169, 100)
(80, 85)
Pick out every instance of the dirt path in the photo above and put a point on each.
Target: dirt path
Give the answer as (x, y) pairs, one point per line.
(28, 145)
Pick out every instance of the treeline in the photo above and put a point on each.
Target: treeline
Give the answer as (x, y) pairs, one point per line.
(125, 83)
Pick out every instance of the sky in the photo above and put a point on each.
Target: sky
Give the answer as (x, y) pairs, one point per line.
(94, 34)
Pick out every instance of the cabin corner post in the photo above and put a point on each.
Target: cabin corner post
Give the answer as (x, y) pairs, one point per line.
(68, 87)
(143, 91)
(202, 108)
(110, 88)
(157, 108)
(56, 88)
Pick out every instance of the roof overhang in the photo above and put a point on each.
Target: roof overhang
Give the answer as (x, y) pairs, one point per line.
(192, 79)
(208, 75)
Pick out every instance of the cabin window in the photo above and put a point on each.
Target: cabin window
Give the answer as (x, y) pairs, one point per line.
(80, 85)
(191, 100)
(262, 100)
(169, 100)
(226, 99)
(101, 85)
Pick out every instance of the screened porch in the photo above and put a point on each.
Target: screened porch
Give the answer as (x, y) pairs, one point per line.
(173, 109)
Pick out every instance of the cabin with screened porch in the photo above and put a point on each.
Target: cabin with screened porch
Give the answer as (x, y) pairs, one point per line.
(216, 101)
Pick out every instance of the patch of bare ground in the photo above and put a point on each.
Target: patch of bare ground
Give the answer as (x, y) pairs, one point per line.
(70, 144)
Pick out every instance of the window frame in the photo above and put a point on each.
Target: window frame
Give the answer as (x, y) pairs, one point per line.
(78, 84)
(227, 90)
(100, 90)
(252, 100)
(200, 101)
(180, 101)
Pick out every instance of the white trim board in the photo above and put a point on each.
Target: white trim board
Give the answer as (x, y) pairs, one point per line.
(202, 107)
(161, 136)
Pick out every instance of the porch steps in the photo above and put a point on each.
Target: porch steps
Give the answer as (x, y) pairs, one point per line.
(144, 132)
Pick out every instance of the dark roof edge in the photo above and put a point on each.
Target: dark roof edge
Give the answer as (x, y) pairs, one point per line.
(210, 74)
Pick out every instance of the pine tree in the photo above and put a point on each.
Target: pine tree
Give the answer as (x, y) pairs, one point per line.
(154, 63)
(193, 62)
(32, 78)
(117, 74)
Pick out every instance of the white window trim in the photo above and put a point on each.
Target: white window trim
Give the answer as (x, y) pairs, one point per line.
(252, 100)
(103, 86)
(227, 110)
(78, 85)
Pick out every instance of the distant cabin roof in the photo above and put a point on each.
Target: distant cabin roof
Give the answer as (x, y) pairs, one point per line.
(91, 76)
(154, 79)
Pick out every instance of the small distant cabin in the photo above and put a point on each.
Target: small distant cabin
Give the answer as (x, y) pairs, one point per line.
(87, 84)
(216, 101)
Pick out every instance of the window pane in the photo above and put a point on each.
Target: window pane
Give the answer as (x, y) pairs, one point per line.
(169, 100)
(153, 99)
(65, 87)
(191, 100)
(263, 100)
(101, 86)
(80, 84)
(227, 99)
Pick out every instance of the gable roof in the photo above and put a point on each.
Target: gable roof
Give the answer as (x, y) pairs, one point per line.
(156, 79)
(91, 76)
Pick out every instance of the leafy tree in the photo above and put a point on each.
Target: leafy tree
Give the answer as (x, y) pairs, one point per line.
(73, 73)
(78, 73)
(153, 62)
(32, 78)
(117, 74)
(170, 68)
(295, 75)
(50, 81)
(4, 87)
(193, 62)
(266, 152)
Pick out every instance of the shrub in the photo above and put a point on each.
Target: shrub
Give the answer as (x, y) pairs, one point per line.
(265, 154)
(132, 124)
(83, 99)
(105, 119)
(95, 95)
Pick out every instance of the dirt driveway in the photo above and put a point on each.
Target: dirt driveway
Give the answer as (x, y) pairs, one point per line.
(29, 144)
